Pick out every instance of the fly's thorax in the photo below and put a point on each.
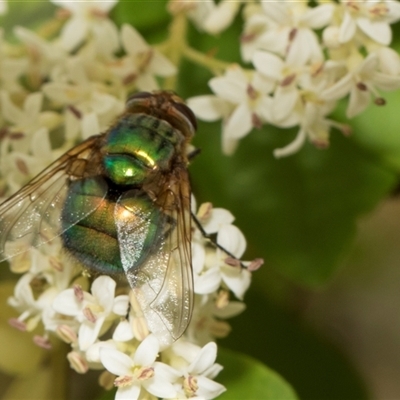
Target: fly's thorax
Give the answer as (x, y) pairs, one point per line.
(139, 145)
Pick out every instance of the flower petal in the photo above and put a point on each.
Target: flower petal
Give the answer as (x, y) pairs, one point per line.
(128, 393)
(377, 30)
(89, 332)
(232, 239)
(347, 28)
(208, 107)
(292, 147)
(208, 282)
(318, 17)
(239, 124)
(268, 64)
(147, 351)
(67, 303)
(358, 102)
(132, 40)
(218, 218)
(237, 279)
(230, 87)
(116, 362)
(160, 388)
(74, 31)
(204, 359)
(123, 332)
(209, 389)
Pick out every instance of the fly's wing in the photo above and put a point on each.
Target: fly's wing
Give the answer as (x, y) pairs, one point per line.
(155, 246)
(32, 216)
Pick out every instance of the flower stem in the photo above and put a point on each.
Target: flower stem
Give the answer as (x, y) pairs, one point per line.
(176, 48)
(175, 45)
(214, 65)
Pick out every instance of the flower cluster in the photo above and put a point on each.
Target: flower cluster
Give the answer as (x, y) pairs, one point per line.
(55, 93)
(53, 297)
(304, 59)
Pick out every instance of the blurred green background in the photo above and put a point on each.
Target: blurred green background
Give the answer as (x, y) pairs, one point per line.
(323, 310)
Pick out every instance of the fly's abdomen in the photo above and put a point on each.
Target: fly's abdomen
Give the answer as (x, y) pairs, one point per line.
(95, 239)
(137, 146)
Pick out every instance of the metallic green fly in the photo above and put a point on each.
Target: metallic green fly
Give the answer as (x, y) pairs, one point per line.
(120, 201)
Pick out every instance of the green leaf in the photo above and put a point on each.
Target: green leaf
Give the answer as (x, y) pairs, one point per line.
(32, 14)
(143, 15)
(246, 378)
(316, 368)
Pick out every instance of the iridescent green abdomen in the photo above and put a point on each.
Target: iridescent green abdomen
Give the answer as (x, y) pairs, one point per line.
(94, 240)
(137, 146)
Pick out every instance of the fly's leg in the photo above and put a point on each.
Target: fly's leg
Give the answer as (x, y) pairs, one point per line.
(194, 153)
(214, 242)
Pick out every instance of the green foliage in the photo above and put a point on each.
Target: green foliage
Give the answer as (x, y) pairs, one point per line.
(314, 367)
(247, 378)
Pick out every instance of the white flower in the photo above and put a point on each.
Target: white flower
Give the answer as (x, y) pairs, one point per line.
(315, 126)
(362, 82)
(89, 17)
(197, 376)
(140, 370)
(208, 317)
(287, 30)
(3, 7)
(141, 63)
(25, 120)
(33, 306)
(11, 69)
(91, 310)
(93, 109)
(43, 55)
(285, 75)
(214, 267)
(241, 101)
(371, 17)
(221, 16)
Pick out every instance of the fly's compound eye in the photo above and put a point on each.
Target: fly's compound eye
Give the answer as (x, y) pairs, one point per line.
(187, 113)
(139, 96)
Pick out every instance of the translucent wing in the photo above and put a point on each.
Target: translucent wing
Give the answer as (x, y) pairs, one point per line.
(155, 246)
(32, 216)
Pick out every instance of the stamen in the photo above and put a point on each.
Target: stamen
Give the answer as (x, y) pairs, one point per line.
(42, 341)
(380, 101)
(78, 292)
(18, 324)
(190, 386)
(123, 381)
(362, 86)
(256, 121)
(75, 111)
(288, 80)
(88, 313)
(21, 165)
(255, 264)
